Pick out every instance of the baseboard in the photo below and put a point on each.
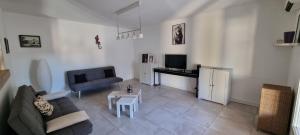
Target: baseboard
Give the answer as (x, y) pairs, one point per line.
(244, 102)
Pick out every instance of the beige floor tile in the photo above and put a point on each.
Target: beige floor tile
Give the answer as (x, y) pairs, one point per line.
(199, 116)
(214, 132)
(167, 111)
(238, 116)
(231, 127)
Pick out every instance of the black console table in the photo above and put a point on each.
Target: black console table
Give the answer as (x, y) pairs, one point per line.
(186, 73)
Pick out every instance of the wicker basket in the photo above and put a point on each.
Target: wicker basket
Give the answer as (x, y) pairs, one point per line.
(275, 109)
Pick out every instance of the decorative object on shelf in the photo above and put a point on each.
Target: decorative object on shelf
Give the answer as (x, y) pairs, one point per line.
(98, 42)
(144, 58)
(43, 75)
(129, 89)
(6, 46)
(289, 36)
(178, 34)
(31, 41)
(131, 34)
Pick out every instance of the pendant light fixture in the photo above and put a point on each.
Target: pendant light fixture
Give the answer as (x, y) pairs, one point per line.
(131, 34)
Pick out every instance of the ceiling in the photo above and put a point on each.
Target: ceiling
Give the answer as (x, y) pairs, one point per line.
(154, 11)
(102, 11)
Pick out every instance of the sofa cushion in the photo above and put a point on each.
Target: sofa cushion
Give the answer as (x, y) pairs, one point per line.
(80, 78)
(43, 106)
(96, 84)
(82, 128)
(64, 106)
(24, 118)
(108, 73)
(66, 121)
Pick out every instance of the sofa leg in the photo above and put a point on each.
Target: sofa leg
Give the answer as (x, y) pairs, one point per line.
(79, 94)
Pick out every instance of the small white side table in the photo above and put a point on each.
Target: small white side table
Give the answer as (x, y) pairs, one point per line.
(114, 94)
(127, 101)
(137, 93)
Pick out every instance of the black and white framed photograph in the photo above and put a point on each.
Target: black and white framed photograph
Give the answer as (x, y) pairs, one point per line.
(30, 41)
(178, 34)
(144, 58)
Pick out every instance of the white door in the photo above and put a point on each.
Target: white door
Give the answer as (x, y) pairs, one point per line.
(220, 82)
(205, 83)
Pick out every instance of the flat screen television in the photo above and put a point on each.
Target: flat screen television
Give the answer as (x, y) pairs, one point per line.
(177, 61)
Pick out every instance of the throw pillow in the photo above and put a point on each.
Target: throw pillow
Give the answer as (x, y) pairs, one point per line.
(43, 106)
(80, 78)
(66, 120)
(109, 73)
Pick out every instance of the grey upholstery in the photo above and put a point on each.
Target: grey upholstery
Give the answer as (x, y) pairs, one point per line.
(25, 119)
(95, 76)
(23, 112)
(62, 107)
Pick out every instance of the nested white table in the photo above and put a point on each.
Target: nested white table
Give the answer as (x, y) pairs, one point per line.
(123, 93)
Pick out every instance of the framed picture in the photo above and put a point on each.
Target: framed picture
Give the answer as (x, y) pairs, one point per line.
(151, 58)
(144, 58)
(6, 45)
(178, 34)
(30, 41)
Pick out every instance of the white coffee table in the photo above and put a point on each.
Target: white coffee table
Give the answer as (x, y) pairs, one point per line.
(123, 93)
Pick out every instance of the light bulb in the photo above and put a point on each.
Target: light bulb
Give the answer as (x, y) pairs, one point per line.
(141, 35)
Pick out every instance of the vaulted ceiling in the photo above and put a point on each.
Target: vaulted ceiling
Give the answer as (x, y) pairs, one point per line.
(102, 11)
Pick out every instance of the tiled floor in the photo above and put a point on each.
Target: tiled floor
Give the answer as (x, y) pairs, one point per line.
(168, 111)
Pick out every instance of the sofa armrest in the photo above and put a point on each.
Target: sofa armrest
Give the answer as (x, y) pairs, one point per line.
(56, 95)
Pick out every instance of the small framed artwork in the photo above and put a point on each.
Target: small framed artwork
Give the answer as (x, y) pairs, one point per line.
(151, 58)
(178, 34)
(30, 41)
(144, 58)
(6, 45)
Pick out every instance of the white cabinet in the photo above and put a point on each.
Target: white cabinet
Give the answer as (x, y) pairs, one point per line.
(214, 84)
(146, 73)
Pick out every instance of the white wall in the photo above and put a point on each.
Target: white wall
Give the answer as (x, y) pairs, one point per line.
(294, 74)
(238, 36)
(66, 45)
(2, 35)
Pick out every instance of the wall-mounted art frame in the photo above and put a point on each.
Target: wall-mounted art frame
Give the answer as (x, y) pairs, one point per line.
(6, 45)
(178, 34)
(31, 41)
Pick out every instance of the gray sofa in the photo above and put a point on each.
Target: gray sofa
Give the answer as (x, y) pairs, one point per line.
(94, 78)
(25, 119)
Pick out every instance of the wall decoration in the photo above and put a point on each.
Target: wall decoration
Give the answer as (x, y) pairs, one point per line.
(144, 58)
(98, 42)
(178, 34)
(6, 46)
(30, 41)
(151, 58)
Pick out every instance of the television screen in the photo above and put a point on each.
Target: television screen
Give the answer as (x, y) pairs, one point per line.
(175, 61)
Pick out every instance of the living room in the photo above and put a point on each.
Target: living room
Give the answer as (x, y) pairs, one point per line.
(245, 38)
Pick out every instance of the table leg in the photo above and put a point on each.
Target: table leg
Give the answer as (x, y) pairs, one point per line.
(154, 84)
(123, 108)
(131, 111)
(118, 111)
(109, 102)
(159, 79)
(140, 98)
